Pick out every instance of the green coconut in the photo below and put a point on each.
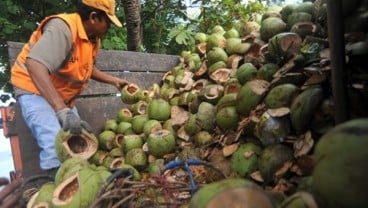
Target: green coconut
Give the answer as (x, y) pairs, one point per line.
(236, 46)
(69, 145)
(270, 27)
(190, 126)
(161, 142)
(137, 158)
(168, 93)
(340, 166)
(206, 116)
(124, 128)
(250, 95)
(136, 175)
(231, 33)
(98, 157)
(299, 200)
(244, 161)
(159, 109)
(215, 40)
(232, 192)
(202, 138)
(227, 118)
(116, 152)
(307, 7)
(284, 44)
(129, 94)
(304, 106)
(271, 129)
(111, 124)
(132, 141)
(286, 11)
(69, 167)
(124, 114)
(216, 54)
(139, 107)
(78, 190)
(211, 93)
(42, 198)
(151, 126)
(273, 158)
(138, 122)
(267, 71)
(106, 139)
(281, 96)
(215, 66)
(226, 100)
(249, 27)
(193, 62)
(246, 72)
(200, 37)
(296, 17)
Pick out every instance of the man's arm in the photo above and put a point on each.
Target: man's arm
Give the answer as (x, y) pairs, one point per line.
(41, 79)
(107, 78)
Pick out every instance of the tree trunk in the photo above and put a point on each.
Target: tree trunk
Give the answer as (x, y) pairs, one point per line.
(132, 11)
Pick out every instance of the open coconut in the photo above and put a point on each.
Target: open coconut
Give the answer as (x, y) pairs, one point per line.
(69, 145)
(78, 190)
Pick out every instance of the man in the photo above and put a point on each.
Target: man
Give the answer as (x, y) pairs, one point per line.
(55, 66)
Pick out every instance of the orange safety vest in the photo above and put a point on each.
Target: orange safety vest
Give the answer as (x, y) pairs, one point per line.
(73, 76)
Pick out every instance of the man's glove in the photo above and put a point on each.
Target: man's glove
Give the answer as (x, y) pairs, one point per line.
(69, 121)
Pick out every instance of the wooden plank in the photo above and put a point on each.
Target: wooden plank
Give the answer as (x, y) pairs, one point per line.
(96, 111)
(114, 60)
(142, 79)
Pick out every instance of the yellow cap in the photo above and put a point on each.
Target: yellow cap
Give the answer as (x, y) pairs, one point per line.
(107, 6)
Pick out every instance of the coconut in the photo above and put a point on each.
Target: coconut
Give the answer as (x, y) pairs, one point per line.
(139, 107)
(151, 126)
(137, 158)
(236, 46)
(138, 122)
(132, 141)
(42, 198)
(281, 96)
(246, 72)
(271, 129)
(70, 167)
(303, 107)
(202, 138)
(284, 44)
(116, 152)
(129, 94)
(161, 143)
(299, 199)
(200, 37)
(99, 157)
(296, 17)
(231, 33)
(206, 116)
(215, 66)
(270, 27)
(78, 190)
(286, 11)
(267, 71)
(159, 109)
(216, 54)
(124, 128)
(340, 169)
(211, 93)
(111, 124)
(250, 96)
(190, 126)
(244, 161)
(226, 100)
(106, 139)
(232, 192)
(124, 114)
(69, 145)
(215, 40)
(273, 158)
(227, 118)
(221, 76)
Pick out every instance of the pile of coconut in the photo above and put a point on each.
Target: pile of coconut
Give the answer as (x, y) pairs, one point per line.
(236, 122)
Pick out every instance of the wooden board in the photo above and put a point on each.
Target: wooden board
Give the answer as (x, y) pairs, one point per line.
(94, 105)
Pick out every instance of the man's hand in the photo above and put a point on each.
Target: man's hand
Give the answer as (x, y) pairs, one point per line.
(69, 121)
(120, 83)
